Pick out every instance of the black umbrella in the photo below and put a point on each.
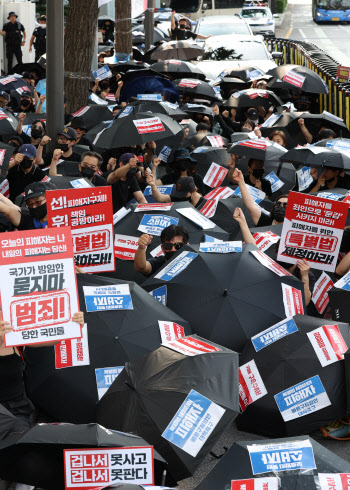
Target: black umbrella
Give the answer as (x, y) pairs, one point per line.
(233, 296)
(314, 122)
(248, 73)
(225, 471)
(33, 116)
(138, 34)
(6, 152)
(253, 98)
(176, 50)
(166, 108)
(200, 139)
(36, 457)
(10, 82)
(147, 72)
(258, 233)
(114, 337)
(296, 76)
(342, 144)
(196, 88)
(68, 168)
(151, 390)
(197, 109)
(211, 154)
(8, 123)
(125, 66)
(96, 130)
(313, 156)
(137, 129)
(260, 149)
(282, 123)
(29, 67)
(93, 114)
(290, 361)
(178, 69)
(339, 300)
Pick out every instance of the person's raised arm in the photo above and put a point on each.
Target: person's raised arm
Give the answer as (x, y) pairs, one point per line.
(119, 89)
(11, 211)
(155, 192)
(200, 36)
(55, 157)
(141, 264)
(173, 24)
(140, 198)
(304, 268)
(21, 118)
(304, 130)
(156, 163)
(39, 153)
(121, 172)
(249, 203)
(343, 266)
(40, 105)
(232, 166)
(149, 153)
(238, 215)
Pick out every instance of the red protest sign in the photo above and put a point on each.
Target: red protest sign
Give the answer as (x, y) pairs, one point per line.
(89, 212)
(312, 229)
(149, 125)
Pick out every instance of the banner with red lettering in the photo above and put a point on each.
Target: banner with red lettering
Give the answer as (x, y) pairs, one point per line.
(191, 346)
(219, 193)
(265, 239)
(334, 481)
(251, 386)
(38, 286)
(170, 331)
(328, 344)
(269, 483)
(292, 300)
(87, 469)
(73, 352)
(89, 212)
(312, 229)
(320, 293)
(125, 246)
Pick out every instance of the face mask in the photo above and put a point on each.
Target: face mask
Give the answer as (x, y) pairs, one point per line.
(168, 255)
(104, 86)
(25, 103)
(36, 133)
(26, 163)
(182, 26)
(43, 26)
(63, 146)
(279, 214)
(328, 181)
(258, 173)
(181, 165)
(87, 172)
(39, 212)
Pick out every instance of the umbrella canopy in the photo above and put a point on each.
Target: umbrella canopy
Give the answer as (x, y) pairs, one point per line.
(253, 98)
(342, 144)
(248, 73)
(125, 66)
(29, 67)
(137, 129)
(197, 109)
(211, 154)
(8, 123)
(314, 122)
(171, 110)
(114, 337)
(149, 85)
(195, 87)
(314, 156)
(138, 34)
(296, 76)
(232, 296)
(281, 122)
(176, 50)
(178, 69)
(274, 229)
(5, 158)
(153, 389)
(36, 457)
(260, 149)
(225, 471)
(93, 114)
(290, 361)
(200, 139)
(11, 82)
(339, 300)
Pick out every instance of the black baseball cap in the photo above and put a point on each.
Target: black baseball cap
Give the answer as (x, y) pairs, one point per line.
(69, 133)
(37, 189)
(183, 154)
(183, 186)
(78, 122)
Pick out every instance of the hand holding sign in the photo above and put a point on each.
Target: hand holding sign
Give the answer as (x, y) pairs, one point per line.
(304, 267)
(145, 240)
(5, 327)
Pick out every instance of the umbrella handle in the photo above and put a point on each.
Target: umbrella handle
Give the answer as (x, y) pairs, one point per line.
(163, 478)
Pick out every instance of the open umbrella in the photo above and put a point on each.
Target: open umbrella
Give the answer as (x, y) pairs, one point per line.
(149, 85)
(125, 66)
(138, 34)
(197, 109)
(195, 88)
(36, 457)
(296, 76)
(211, 154)
(339, 300)
(8, 123)
(167, 390)
(294, 479)
(178, 69)
(114, 337)
(176, 50)
(281, 122)
(253, 98)
(6, 152)
(314, 122)
(93, 114)
(200, 139)
(314, 156)
(261, 149)
(232, 296)
(342, 144)
(248, 73)
(136, 129)
(310, 351)
(11, 82)
(171, 110)
(29, 67)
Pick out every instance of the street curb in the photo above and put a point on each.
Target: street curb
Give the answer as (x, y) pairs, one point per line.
(279, 22)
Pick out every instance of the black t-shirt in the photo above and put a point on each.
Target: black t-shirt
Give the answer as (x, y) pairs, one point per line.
(171, 178)
(123, 190)
(182, 34)
(18, 180)
(99, 181)
(75, 157)
(26, 222)
(13, 32)
(157, 263)
(265, 185)
(264, 220)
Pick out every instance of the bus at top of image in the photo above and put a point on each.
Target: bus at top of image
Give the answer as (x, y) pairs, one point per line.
(331, 10)
(195, 9)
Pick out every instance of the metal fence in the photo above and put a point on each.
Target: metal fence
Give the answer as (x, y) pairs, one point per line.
(337, 101)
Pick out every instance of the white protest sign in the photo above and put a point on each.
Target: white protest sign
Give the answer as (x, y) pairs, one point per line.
(215, 175)
(251, 385)
(328, 344)
(197, 218)
(320, 293)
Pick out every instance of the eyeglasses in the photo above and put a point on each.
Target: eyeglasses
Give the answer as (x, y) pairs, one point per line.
(90, 165)
(169, 246)
(280, 204)
(36, 203)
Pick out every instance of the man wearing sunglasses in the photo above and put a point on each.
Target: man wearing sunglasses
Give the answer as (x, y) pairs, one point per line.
(79, 126)
(183, 32)
(172, 239)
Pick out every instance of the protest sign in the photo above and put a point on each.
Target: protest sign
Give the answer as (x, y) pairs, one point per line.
(197, 218)
(176, 266)
(275, 182)
(294, 78)
(274, 333)
(154, 97)
(156, 206)
(190, 346)
(334, 481)
(330, 195)
(103, 298)
(251, 386)
(101, 467)
(163, 189)
(216, 141)
(267, 262)
(149, 125)
(269, 483)
(154, 224)
(164, 153)
(79, 183)
(320, 293)
(160, 294)
(90, 214)
(38, 286)
(125, 246)
(105, 377)
(170, 331)
(292, 300)
(219, 193)
(157, 252)
(120, 214)
(73, 352)
(193, 423)
(215, 175)
(281, 456)
(344, 282)
(299, 400)
(265, 239)
(328, 344)
(304, 178)
(343, 73)
(209, 208)
(189, 83)
(256, 194)
(102, 73)
(220, 248)
(312, 229)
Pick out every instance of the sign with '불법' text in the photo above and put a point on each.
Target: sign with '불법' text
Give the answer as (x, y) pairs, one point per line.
(38, 286)
(89, 212)
(193, 423)
(99, 467)
(112, 297)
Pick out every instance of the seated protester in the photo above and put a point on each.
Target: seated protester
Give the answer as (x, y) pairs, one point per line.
(185, 191)
(37, 130)
(182, 166)
(80, 128)
(124, 183)
(329, 179)
(278, 137)
(255, 176)
(172, 239)
(259, 218)
(35, 214)
(65, 142)
(88, 167)
(24, 172)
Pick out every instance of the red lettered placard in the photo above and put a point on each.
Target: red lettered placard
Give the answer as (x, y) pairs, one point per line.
(89, 212)
(87, 469)
(38, 286)
(312, 229)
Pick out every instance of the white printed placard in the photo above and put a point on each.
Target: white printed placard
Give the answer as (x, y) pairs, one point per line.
(304, 178)
(197, 218)
(320, 293)
(154, 206)
(219, 193)
(105, 377)
(176, 266)
(299, 400)
(215, 175)
(125, 246)
(191, 346)
(265, 239)
(251, 385)
(294, 78)
(334, 481)
(292, 300)
(328, 344)
(216, 141)
(73, 352)
(170, 331)
(267, 262)
(104, 298)
(193, 423)
(275, 182)
(274, 333)
(256, 194)
(149, 125)
(164, 153)
(344, 282)
(120, 214)
(163, 189)
(220, 248)
(102, 73)
(157, 252)
(154, 224)
(269, 483)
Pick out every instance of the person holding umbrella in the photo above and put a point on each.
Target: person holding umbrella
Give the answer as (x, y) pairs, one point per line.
(172, 239)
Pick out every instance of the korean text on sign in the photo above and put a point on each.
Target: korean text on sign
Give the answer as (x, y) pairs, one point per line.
(38, 286)
(89, 212)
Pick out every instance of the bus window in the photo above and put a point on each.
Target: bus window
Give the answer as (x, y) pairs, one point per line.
(228, 4)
